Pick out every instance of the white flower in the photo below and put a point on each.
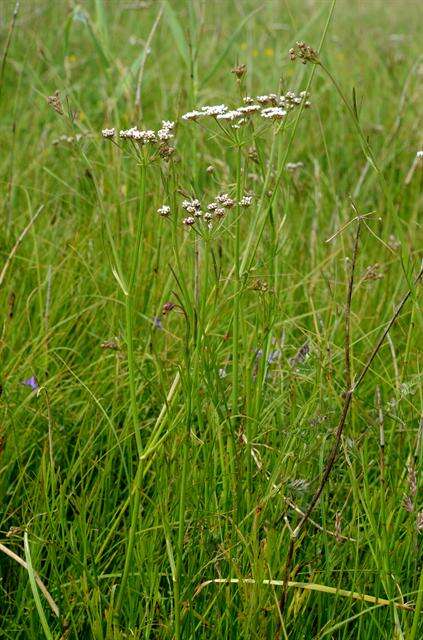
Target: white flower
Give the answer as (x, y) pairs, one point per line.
(193, 115)
(188, 222)
(108, 133)
(164, 210)
(273, 113)
(246, 201)
(249, 108)
(164, 134)
(229, 115)
(214, 110)
(167, 124)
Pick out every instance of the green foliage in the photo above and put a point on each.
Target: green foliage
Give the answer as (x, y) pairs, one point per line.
(165, 450)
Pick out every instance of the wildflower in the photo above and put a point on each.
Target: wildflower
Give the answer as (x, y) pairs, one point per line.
(273, 356)
(294, 167)
(222, 373)
(304, 52)
(167, 308)
(248, 100)
(225, 200)
(164, 134)
(165, 151)
(189, 221)
(32, 383)
(229, 115)
(110, 344)
(208, 216)
(214, 110)
(301, 355)
(273, 113)
(55, 102)
(163, 211)
(212, 206)
(168, 124)
(157, 323)
(240, 70)
(249, 108)
(219, 212)
(246, 201)
(108, 133)
(126, 133)
(193, 115)
(144, 137)
(419, 155)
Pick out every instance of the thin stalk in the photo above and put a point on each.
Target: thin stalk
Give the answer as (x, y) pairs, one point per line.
(181, 536)
(129, 320)
(235, 326)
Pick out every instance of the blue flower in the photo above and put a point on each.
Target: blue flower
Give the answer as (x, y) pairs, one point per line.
(32, 383)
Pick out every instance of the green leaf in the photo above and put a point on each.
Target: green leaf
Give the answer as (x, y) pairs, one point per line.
(228, 46)
(178, 33)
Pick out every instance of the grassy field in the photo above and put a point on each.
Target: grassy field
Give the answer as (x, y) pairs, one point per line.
(211, 417)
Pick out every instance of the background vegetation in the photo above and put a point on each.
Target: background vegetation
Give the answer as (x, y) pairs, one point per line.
(183, 448)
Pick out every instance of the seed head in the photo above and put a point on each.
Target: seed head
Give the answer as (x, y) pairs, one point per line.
(304, 52)
(240, 70)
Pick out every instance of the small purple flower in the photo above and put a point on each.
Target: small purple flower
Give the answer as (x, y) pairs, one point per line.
(273, 356)
(32, 383)
(157, 323)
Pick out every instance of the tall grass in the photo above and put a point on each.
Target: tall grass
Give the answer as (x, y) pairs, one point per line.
(217, 435)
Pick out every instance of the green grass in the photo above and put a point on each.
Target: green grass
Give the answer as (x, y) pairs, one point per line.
(188, 452)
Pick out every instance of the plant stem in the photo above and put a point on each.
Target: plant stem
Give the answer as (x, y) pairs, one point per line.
(129, 318)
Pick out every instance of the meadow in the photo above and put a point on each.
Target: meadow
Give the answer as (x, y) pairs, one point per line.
(211, 409)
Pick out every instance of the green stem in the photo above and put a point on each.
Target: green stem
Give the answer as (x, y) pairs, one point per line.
(129, 320)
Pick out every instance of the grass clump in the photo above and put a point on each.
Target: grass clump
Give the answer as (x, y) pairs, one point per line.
(210, 281)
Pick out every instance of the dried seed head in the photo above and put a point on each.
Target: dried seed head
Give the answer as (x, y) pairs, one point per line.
(304, 52)
(55, 102)
(167, 308)
(407, 503)
(240, 70)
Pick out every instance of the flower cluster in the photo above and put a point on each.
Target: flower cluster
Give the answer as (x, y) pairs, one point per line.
(164, 211)
(304, 52)
(67, 139)
(146, 136)
(215, 210)
(269, 107)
